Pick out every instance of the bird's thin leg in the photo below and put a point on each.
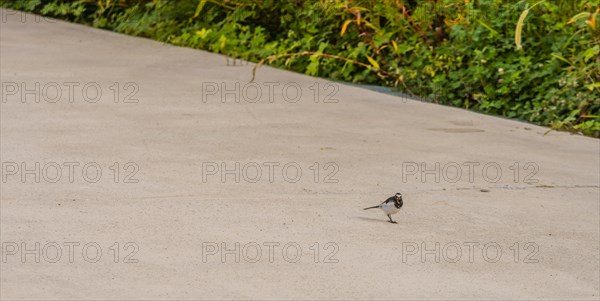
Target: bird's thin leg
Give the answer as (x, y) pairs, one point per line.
(391, 221)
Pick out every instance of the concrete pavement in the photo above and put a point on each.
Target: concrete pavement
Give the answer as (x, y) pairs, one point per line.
(132, 169)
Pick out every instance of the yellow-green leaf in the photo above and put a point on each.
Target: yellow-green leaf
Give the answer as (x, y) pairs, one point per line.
(373, 62)
(593, 86)
(578, 16)
(487, 27)
(344, 27)
(591, 116)
(202, 33)
(199, 8)
(561, 58)
(395, 46)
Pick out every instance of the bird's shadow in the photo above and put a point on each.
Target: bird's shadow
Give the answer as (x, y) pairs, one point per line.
(370, 219)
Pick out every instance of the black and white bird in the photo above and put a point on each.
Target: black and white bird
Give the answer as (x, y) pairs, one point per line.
(391, 206)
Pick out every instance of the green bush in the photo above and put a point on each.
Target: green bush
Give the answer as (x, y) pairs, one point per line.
(533, 61)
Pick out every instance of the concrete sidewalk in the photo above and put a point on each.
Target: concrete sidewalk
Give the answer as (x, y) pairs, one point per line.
(132, 169)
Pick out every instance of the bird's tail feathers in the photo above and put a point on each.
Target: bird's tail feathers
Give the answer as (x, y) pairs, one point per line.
(371, 207)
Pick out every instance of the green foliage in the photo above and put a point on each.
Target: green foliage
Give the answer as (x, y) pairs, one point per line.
(534, 61)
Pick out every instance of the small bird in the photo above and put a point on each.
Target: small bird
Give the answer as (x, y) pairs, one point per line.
(391, 206)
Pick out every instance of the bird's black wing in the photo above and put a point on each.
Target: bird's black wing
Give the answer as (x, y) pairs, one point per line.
(391, 199)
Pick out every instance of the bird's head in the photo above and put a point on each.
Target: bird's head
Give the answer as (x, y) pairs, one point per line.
(398, 196)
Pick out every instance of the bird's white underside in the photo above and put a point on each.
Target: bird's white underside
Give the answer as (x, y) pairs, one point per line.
(389, 208)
